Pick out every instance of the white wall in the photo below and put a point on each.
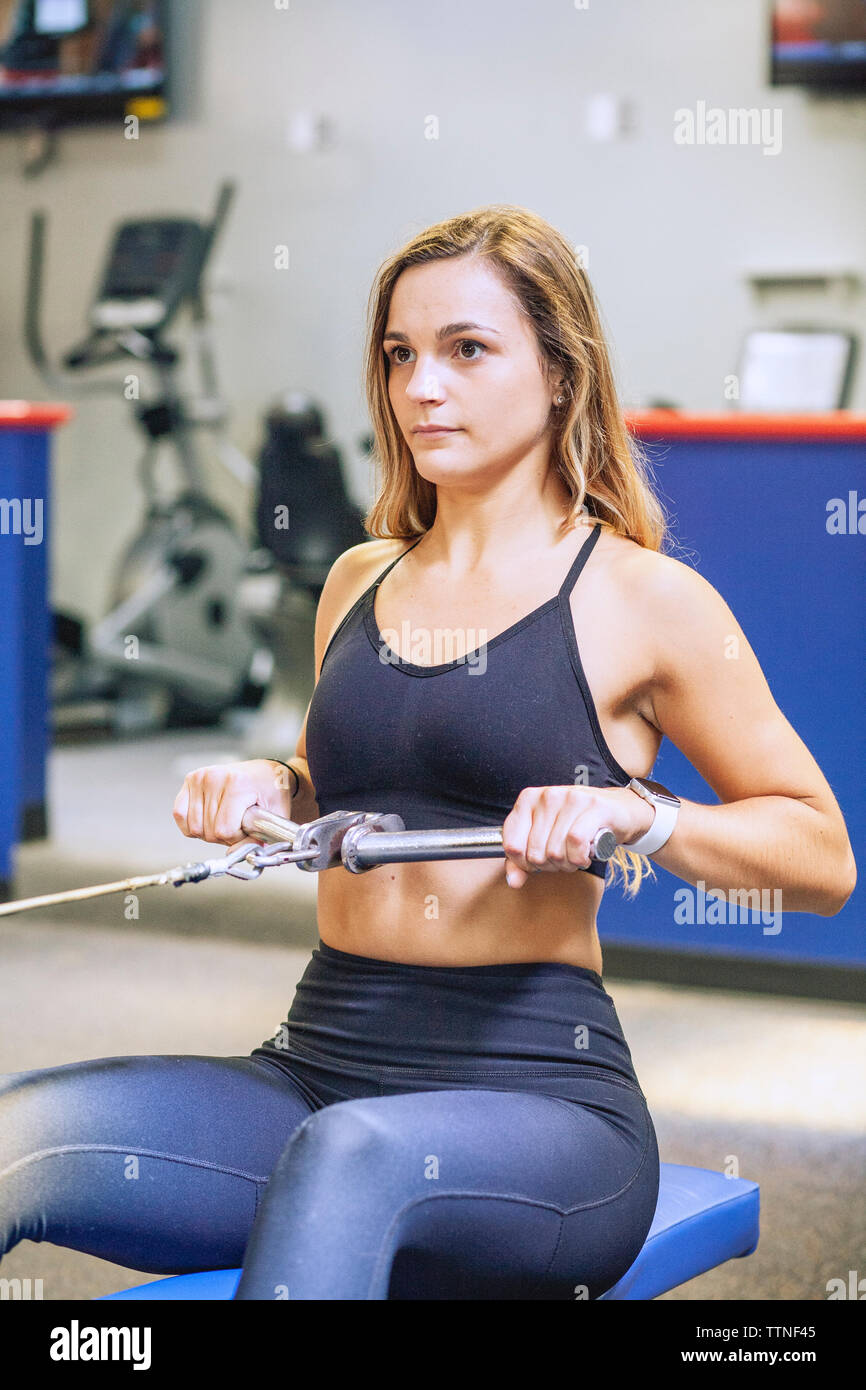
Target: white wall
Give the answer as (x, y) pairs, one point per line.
(669, 228)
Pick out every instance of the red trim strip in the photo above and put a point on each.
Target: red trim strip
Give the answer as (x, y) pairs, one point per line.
(670, 424)
(30, 415)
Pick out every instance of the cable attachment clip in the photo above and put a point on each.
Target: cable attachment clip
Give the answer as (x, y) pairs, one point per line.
(325, 835)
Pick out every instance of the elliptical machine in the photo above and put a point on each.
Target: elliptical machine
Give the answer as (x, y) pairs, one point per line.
(177, 646)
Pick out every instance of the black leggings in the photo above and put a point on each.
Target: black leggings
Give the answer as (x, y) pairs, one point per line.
(409, 1132)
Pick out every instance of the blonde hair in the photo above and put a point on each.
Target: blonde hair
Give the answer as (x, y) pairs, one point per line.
(603, 468)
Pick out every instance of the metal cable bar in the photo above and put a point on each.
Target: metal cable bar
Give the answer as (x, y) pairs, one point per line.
(359, 840)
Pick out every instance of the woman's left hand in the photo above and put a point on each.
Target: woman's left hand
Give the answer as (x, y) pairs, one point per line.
(551, 829)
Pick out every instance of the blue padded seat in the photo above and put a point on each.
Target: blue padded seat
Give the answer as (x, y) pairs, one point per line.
(702, 1219)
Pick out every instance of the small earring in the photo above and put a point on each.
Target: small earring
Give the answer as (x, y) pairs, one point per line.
(559, 400)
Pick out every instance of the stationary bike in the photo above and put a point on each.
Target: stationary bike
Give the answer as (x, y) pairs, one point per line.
(176, 646)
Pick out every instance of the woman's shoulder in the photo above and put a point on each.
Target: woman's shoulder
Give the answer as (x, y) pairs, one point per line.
(659, 589)
(633, 563)
(362, 564)
(349, 578)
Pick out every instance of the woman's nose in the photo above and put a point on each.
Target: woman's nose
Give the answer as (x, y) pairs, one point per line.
(425, 384)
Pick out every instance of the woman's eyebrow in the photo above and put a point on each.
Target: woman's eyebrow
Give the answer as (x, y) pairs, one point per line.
(447, 331)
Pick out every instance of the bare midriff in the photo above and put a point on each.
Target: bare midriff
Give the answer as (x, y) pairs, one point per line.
(463, 912)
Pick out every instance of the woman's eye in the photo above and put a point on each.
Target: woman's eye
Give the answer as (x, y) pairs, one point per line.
(470, 342)
(464, 342)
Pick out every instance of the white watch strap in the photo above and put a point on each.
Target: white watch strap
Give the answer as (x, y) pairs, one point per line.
(659, 832)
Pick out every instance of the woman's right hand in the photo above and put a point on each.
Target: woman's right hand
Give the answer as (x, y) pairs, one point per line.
(211, 803)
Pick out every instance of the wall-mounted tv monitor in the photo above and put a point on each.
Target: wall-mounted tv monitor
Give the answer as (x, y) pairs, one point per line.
(63, 62)
(819, 43)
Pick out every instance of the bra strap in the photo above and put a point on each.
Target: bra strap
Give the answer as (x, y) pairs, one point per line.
(388, 568)
(580, 560)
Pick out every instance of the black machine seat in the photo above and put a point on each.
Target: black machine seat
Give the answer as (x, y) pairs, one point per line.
(304, 515)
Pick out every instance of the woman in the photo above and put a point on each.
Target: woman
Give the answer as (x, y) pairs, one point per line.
(450, 1109)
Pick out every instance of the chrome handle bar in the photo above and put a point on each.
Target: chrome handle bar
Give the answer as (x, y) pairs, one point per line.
(362, 840)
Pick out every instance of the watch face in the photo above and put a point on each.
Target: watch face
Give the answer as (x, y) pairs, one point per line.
(658, 790)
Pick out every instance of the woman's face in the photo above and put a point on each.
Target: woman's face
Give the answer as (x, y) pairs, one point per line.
(462, 354)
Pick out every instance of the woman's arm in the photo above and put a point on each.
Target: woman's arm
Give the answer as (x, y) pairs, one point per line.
(779, 825)
(345, 582)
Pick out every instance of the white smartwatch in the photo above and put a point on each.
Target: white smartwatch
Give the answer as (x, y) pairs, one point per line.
(667, 809)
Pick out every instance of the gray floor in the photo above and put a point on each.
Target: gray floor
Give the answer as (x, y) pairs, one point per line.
(773, 1085)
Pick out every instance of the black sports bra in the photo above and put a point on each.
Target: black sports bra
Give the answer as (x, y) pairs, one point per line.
(454, 743)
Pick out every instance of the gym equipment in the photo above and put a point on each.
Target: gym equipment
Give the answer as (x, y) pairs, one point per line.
(177, 646)
(304, 516)
(304, 519)
(360, 840)
(702, 1218)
